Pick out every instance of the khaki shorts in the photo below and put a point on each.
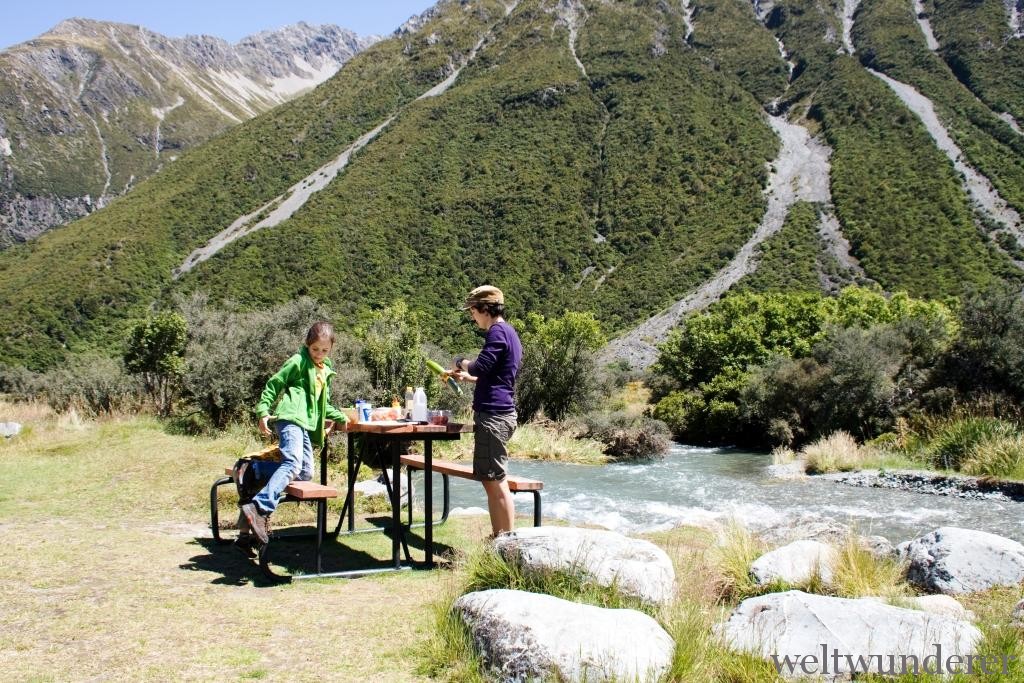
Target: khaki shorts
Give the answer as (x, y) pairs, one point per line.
(491, 433)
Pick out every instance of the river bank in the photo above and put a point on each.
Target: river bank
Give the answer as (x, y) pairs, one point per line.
(960, 486)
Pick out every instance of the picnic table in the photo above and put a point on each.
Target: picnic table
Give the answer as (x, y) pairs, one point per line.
(393, 433)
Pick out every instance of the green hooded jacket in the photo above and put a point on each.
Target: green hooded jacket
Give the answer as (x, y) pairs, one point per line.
(295, 384)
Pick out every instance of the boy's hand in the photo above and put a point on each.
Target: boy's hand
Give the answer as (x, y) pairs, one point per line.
(264, 426)
(328, 427)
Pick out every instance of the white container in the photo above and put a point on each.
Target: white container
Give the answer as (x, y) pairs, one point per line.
(419, 405)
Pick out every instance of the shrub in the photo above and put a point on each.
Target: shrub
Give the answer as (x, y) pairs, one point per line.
(19, 383)
(558, 373)
(682, 412)
(837, 452)
(392, 352)
(154, 350)
(231, 354)
(92, 384)
(628, 437)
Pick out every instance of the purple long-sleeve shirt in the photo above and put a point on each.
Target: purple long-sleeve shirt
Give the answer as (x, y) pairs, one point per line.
(495, 369)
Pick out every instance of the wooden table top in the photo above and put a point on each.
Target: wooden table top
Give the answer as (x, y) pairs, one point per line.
(398, 427)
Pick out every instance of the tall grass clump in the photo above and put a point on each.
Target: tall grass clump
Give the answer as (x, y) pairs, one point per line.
(1001, 456)
(488, 569)
(735, 551)
(838, 452)
(538, 442)
(952, 442)
(858, 573)
(783, 455)
(449, 651)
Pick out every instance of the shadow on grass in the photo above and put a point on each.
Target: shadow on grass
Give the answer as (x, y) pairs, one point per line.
(292, 551)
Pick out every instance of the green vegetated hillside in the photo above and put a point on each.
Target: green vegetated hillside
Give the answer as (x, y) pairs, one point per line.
(898, 198)
(889, 40)
(791, 260)
(618, 191)
(974, 39)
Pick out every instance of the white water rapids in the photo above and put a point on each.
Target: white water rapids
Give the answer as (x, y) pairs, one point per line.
(707, 486)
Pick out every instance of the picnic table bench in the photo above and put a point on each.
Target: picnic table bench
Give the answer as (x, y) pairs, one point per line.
(297, 491)
(516, 484)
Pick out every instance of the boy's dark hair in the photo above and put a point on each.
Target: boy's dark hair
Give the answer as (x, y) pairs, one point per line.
(319, 330)
(493, 310)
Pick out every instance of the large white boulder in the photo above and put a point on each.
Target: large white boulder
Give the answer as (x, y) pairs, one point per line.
(803, 634)
(532, 636)
(633, 566)
(952, 560)
(796, 562)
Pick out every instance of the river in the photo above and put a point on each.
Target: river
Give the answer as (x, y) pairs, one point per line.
(693, 485)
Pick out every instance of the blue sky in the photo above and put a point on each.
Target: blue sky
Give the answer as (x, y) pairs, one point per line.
(228, 19)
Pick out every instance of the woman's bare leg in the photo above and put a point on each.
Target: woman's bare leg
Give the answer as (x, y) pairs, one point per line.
(500, 506)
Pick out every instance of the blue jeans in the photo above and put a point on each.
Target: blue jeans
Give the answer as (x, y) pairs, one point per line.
(296, 463)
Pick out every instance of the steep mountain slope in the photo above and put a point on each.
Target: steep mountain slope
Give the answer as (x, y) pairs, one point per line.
(608, 156)
(91, 108)
(983, 43)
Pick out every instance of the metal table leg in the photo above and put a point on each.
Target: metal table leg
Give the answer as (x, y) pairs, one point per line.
(428, 501)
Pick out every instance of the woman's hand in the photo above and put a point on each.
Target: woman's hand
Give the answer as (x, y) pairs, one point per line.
(463, 376)
(328, 427)
(265, 426)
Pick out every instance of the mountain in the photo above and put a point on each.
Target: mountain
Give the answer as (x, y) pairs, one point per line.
(91, 108)
(635, 158)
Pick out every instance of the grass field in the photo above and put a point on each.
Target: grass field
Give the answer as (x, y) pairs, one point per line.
(109, 572)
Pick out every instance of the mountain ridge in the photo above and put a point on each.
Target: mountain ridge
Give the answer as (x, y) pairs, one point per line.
(90, 108)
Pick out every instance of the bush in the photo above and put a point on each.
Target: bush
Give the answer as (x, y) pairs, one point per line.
(154, 351)
(20, 383)
(628, 437)
(558, 373)
(392, 352)
(682, 412)
(231, 354)
(92, 384)
(954, 442)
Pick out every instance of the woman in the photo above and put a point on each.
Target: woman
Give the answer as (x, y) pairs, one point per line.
(494, 406)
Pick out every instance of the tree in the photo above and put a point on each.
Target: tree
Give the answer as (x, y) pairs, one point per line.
(558, 372)
(156, 350)
(393, 355)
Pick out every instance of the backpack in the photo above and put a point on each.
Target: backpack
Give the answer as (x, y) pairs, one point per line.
(251, 472)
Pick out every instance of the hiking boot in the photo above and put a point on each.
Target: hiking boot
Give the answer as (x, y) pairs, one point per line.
(258, 522)
(246, 545)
